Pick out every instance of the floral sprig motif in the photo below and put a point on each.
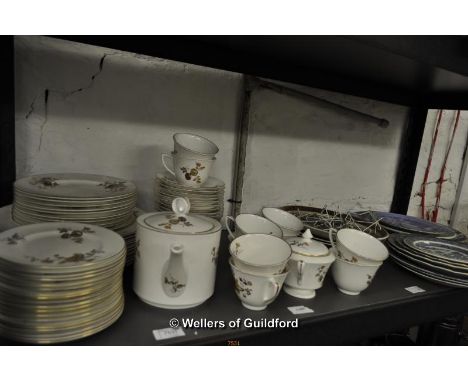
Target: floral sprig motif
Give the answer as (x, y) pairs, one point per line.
(193, 173)
(118, 185)
(174, 283)
(75, 258)
(299, 243)
(174, 220)
(214, 256)
(369, 279)
(242, 286)
(321, 271)
(44, 182)
(13, 239)
(75, 235)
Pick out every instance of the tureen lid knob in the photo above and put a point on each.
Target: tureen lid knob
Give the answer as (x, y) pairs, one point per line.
(307, 235)
(181, 206)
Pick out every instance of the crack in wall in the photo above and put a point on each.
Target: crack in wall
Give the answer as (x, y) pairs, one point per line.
(64, 95)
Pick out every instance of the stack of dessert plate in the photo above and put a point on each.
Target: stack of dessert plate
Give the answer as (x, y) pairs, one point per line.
(207, 200)
(59, 281)
(441, 261)
(396, 223)
(92, 199)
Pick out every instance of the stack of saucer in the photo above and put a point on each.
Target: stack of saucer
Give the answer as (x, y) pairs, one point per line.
(207, 200)
(59, 281)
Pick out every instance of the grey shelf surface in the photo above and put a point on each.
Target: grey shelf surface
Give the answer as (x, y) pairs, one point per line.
(337, 318)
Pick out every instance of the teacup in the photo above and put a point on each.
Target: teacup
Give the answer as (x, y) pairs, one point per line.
(352, 278)
(255, 291)
(306, 275)
(191, 172)
(358, 247)
(260, 253)
(195, 146)
(289, 224)
(249, 223)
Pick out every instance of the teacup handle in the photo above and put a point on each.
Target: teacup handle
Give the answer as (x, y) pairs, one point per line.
(163, 159)
(300, 269)
(277, 289)
(330, 237)
(231, 235)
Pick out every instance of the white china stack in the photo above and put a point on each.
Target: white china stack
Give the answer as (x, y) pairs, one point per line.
(441, 261)
(207, 200)
(86, 198)
(259, 267)
(358, 258)
(59, 281)
(188, 176)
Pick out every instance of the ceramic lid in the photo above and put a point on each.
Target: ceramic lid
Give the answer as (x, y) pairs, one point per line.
(306, 246)
(179, 221)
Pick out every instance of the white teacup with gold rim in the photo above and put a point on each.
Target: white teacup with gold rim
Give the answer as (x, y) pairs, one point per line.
(353, 278)
(190, 172)
(289, 224)
(358, 247)
(256, 291)
(260, 253)
(194, 146)
(249, 223)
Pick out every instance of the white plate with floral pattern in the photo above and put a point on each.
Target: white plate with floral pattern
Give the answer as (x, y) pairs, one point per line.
(60, 246)
(79, 186)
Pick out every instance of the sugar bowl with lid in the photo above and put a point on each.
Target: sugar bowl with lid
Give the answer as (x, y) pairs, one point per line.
(176, 258)
(308, 266)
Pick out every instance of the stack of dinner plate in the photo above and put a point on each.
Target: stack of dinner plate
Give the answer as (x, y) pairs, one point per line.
(438, 260)
(92, 199)
(208, 200)
(59, 281)
(396, 223)
(86, 198)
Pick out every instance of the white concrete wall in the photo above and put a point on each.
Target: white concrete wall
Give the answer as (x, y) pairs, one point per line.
(300, 153)
(123, 119)
(453, 168)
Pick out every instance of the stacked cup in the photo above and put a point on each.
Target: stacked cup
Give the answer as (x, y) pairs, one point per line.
(358, 258)
(192, 159)
(259, 266)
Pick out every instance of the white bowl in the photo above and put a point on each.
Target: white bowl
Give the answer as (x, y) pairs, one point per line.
(352, 278)
(256, 292)
(289, 224)
(260, 253)
(359, 247)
